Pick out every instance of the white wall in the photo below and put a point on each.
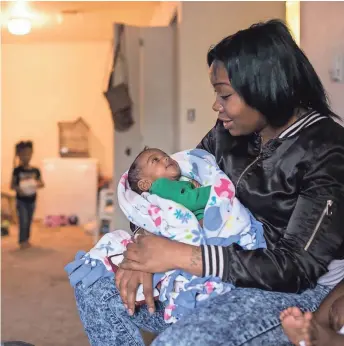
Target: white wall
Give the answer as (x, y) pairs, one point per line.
(204, 24)
(46, 83)
(322, 34)
(42, 84)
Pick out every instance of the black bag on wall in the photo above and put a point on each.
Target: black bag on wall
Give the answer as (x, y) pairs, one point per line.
(118, 96)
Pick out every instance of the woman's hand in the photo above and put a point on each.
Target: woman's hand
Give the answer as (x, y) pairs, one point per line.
(127, 282)
(155, 254)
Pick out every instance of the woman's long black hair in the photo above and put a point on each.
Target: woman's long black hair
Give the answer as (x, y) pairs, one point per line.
(270, 72)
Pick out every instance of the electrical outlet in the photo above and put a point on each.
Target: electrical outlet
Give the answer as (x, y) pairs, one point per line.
(191, 115)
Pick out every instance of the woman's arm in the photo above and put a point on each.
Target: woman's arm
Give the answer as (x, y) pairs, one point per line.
(313, 237)
(157, 254)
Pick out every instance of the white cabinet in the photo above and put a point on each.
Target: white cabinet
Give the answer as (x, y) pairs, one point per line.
(70, 188)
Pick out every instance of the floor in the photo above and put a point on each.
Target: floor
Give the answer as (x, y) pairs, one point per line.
(37, 301)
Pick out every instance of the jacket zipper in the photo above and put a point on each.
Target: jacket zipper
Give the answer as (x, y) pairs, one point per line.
(248, 167)
(325, 212)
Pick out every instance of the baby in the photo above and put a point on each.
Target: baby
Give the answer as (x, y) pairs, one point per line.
(167, 211)
(155, 172)
(304, 329)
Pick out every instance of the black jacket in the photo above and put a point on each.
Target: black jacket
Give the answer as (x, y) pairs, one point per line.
(294, 185)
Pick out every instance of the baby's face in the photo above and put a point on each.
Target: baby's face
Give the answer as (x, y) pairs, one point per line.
(156, 164)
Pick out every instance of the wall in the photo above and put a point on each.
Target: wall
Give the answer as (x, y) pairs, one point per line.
(150, 60)
(46, 83)
(293, 18)
(322, 34)
(76, 21)
(201, 25)
(43, 84)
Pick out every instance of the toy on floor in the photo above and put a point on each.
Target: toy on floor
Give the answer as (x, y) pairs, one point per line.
(60, 220)
(73, 220)
(5, 225)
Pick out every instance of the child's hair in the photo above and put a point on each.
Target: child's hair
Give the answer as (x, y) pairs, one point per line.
(23, 145)
(19, 147)
(134, 173)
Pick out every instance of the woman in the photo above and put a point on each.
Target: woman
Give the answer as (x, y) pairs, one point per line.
(276, 139)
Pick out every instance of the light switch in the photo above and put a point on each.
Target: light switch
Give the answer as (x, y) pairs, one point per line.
(337, 71)
(191, 115)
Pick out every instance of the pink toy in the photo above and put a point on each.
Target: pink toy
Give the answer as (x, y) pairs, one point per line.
(56, 220)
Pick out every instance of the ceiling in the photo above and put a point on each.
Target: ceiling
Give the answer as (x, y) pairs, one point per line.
(77, 20)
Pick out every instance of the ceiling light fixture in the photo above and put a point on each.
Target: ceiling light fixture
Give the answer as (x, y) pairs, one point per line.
(19, 22)
(19, 26)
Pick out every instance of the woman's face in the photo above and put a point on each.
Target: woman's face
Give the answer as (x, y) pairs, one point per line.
(237, 117)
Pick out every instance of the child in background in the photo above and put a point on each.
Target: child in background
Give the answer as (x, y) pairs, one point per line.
(25, 181)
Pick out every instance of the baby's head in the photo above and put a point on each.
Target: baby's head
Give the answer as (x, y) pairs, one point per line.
(150, 165)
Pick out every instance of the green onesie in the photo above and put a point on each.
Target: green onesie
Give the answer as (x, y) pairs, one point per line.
(184, 193)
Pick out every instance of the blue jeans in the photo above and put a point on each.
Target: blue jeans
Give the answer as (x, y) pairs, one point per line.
(25, 212)
(243, 316)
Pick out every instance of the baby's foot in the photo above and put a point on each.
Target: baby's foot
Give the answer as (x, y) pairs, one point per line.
(314, 334)
(293, 324)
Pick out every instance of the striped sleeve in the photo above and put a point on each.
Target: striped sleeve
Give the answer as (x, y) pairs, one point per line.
(215, 261)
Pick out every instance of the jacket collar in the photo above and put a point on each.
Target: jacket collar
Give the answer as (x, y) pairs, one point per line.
(252, 142)
(303, 122)
(306, 120)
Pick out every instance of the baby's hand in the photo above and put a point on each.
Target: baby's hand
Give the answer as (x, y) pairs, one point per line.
(196, 184)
